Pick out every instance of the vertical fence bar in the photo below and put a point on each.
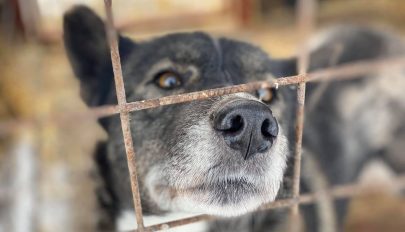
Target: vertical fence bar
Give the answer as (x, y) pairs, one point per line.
(124, 115)
(305, 21)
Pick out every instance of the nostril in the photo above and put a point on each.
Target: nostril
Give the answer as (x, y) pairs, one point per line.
(229, 123)
(236, 124)
(269, 129)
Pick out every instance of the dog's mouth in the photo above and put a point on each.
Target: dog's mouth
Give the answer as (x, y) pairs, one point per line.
(227, 191)
(224, 196)
(225, 187)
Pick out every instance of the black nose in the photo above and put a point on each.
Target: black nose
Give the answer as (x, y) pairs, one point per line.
(247, 126)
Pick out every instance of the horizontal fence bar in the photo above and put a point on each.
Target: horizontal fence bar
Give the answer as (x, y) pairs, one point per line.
(347, 71)
(337, 192)
(341, 72)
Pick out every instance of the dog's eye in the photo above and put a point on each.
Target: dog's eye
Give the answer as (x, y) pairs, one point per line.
(266, 95)
(168, 80)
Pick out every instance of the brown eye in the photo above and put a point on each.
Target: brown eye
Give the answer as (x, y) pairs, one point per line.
(168, 80)
(266, 95)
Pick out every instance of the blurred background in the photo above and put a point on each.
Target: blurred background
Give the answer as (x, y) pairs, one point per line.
(46, 167)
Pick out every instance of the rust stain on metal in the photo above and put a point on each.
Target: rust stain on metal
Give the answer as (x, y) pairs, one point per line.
(124, 115)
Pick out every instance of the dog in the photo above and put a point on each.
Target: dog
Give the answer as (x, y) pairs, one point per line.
(226, 156)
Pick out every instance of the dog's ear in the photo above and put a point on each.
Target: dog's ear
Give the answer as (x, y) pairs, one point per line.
(89, 54)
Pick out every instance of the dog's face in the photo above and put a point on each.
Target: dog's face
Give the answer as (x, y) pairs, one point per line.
(224, 155)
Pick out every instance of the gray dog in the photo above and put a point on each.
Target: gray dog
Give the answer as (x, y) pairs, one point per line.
(228, 155)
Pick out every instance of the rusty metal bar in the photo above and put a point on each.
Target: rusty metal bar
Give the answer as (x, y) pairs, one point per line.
(124, 115)
(305, 17)
(341, 72)
(341, 191)
(179, 222)
(337, 192)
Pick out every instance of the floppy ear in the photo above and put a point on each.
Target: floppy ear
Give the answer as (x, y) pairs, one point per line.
(89, 54)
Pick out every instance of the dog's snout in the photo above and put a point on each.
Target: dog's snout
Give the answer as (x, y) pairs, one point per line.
(247, 126)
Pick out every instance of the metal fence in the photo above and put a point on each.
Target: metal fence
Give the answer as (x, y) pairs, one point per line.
(305, 19)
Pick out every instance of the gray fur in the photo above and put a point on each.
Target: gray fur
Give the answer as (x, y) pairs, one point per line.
(184, 164)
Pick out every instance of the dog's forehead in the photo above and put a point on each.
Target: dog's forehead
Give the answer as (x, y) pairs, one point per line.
(246, 56)
(178, 47)
(201, 50)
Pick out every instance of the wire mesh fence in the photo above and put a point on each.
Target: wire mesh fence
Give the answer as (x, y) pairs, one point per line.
(306, 14)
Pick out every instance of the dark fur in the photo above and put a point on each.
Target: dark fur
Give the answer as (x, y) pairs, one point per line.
(158, 132)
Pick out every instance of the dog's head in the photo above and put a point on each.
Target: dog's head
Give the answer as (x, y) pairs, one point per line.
(223, 156)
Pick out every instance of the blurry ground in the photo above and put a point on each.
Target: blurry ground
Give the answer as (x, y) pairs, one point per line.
(383, 209)
(377, 212)
(36, 80)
